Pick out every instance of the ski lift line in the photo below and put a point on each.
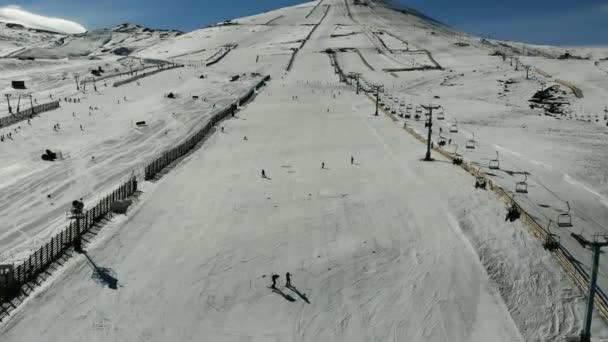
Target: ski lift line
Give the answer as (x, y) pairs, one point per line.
(540, 211)
(563, 256)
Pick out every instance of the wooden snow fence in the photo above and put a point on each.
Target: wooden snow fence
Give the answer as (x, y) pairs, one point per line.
(28, 113)
(168, 157)
(15, 278)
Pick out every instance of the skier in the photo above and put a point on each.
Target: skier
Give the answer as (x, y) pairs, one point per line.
(222, 129)
(263, 173)
(288, 282)
(81, 128)
(352, 160)
(449, 141)
(274, 281)
(322, 165)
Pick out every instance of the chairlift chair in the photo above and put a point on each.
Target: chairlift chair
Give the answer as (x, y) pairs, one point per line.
(454, 127)
(480, 181)
(417, 116)
(494, 163)
(442, 141)
(513, 212)
(522, 187)
(457, 157)
(441, 114)
(470, 145)
(565, 220)
(552, 241)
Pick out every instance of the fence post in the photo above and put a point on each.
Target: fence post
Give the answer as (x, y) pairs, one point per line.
(29, 270)
(40, 259)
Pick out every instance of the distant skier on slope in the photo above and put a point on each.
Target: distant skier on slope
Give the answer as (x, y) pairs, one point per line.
(263, 173)
(288, 281)
(274, 281)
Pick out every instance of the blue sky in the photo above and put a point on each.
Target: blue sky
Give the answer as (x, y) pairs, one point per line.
(558, 22)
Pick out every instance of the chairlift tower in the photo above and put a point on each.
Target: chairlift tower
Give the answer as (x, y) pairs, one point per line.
(377, 88)
(32, 104)
(596, 247)
(430, 126)
(8, 101)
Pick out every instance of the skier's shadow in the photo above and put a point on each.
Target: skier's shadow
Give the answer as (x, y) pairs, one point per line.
(283, 294)
(302, 295)
(103, 275)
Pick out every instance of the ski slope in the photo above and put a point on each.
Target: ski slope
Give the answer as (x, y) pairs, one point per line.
(385, 248)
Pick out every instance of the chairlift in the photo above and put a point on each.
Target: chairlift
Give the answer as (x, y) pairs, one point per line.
(522, 187)
(457, 157)
(441, 115)
(513, 212)
(494, 163)
(552, 241)
(442, 141)
(470, 145)
(480, 181)
(565, 220)
(454, 127)
(417, 116)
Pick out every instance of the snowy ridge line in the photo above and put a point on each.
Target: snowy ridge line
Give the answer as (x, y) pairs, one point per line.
(28, 113)
(149, 73)
(221, 56)
(295, 52)
(428, 53)
(273, 19)
(334, 62)
(152, 169)
(364, 60)
(313, 9)
(578, 275)
(30, 273)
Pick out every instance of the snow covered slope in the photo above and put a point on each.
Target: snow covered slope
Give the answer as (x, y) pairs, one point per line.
(121, 40)
(382, 248)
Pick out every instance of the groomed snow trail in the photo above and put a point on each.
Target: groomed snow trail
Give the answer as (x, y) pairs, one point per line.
(195, 260)
(388, 248)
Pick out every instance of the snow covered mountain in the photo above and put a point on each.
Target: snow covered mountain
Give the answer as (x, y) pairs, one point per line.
(21, 42)
(380, 246)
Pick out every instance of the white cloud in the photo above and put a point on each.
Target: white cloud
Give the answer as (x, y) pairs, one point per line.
(17, 15)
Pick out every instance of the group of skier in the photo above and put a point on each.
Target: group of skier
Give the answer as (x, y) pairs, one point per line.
(352, 162)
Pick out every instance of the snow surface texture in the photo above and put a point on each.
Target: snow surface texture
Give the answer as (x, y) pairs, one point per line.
(386, 248)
